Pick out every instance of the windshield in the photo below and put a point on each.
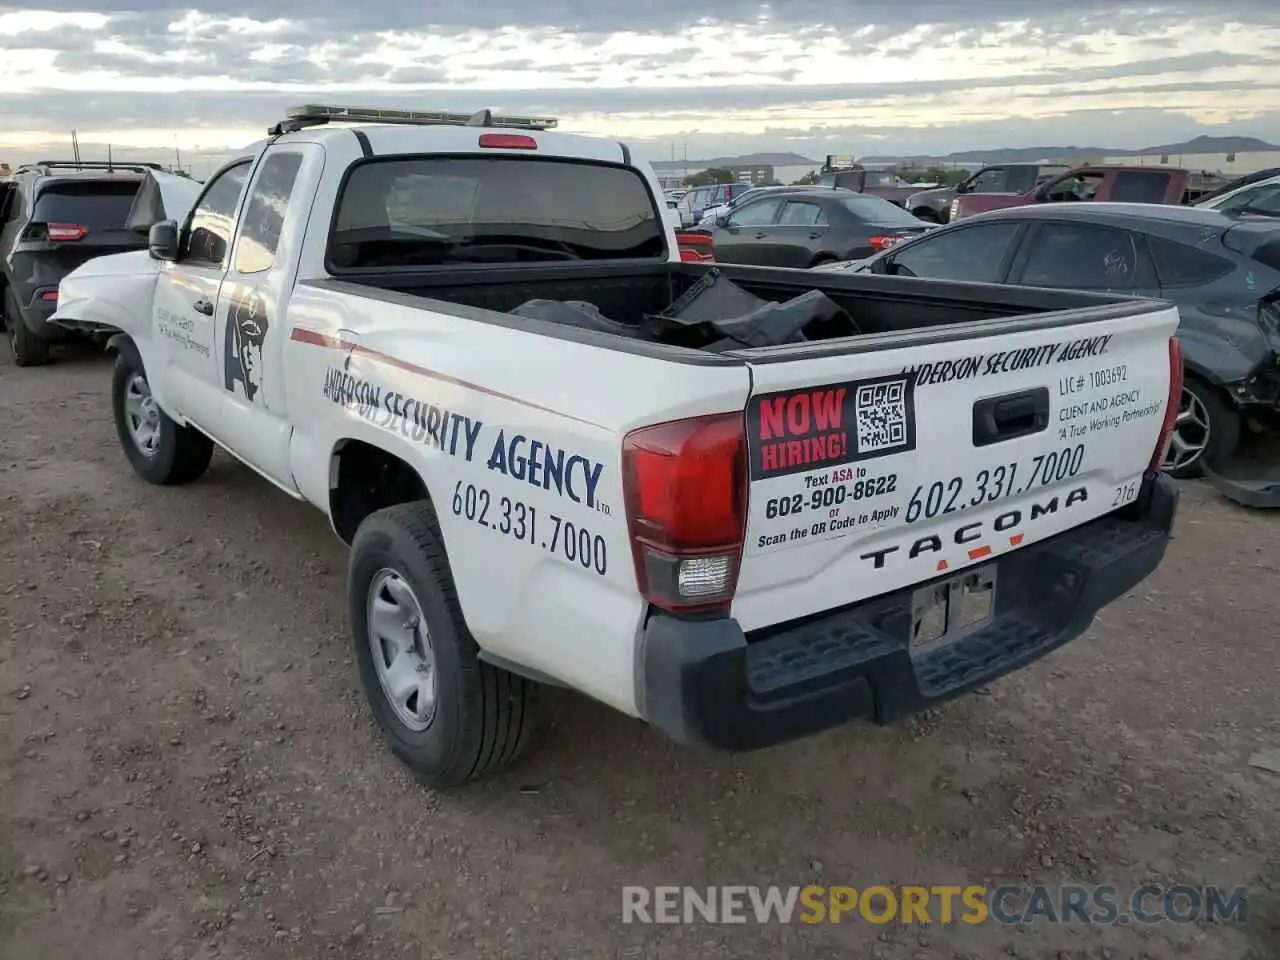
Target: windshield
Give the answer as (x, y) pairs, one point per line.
(431, 211)
(883, 178)
(1261, 198)
(879, 211)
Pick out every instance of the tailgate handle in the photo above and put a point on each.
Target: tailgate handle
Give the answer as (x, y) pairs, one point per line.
(1010, 416)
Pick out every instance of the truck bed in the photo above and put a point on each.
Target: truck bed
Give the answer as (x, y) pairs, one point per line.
(877, 304)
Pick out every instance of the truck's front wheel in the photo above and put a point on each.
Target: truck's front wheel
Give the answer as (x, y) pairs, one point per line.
(446, 715)
(161, 450)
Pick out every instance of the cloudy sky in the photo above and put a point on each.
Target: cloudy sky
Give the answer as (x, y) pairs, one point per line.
(710, 76)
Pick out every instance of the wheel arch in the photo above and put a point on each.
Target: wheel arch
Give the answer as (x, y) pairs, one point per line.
(365, 477)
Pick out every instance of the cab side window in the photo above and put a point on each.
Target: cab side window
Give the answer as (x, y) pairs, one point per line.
(264, 212)
(213, 218)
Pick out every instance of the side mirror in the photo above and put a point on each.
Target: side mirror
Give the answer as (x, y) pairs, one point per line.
(162, 240)
(722, 220)
(965, 187)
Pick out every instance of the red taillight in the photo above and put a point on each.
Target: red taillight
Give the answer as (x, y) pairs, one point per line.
(695, 247)
(685, 485)
(1171, 410)
(50, 295)
(884, 243)
(508, 141)
(61, 232)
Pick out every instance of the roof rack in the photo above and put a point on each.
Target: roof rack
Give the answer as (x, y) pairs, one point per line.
(315, 115)
(109, 165)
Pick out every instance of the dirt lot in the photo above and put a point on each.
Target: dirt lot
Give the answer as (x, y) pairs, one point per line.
(187, 768)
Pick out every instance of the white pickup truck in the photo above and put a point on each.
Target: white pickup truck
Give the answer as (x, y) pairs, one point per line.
(739, 546)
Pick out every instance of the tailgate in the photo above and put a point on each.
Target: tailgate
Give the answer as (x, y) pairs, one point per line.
(875, 470)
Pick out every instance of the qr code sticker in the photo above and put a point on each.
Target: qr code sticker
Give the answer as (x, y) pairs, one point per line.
(881, 415)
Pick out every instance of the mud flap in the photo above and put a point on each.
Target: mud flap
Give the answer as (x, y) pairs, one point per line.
(1248, 480)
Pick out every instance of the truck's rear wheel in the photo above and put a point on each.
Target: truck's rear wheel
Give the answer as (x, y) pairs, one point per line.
(161, 450)
(446, 715)
(28, 349)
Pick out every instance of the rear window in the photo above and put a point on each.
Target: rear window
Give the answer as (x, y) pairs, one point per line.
(96, 204)
(1268, 254)
(1133, 187)
(431, 211)
(879, 211)
(1181, 265)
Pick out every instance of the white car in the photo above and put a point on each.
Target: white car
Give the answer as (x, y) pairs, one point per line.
(1260, 197)
(739, 545)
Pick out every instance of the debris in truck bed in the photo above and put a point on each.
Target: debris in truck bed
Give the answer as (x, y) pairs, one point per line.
(714, 314)
(576, 313)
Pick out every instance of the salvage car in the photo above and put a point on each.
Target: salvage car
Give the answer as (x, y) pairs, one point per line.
(1222, 269)
(95, 296)
(742, 504)
(804, 228)
(845, 173)
(1013, 178)
(57, 215)
(1099, 183)
(710, 215)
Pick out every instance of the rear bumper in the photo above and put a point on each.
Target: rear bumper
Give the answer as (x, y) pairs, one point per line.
(703, 683)
(36, 312)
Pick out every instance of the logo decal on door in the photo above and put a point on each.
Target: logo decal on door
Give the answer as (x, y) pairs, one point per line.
(242, 346)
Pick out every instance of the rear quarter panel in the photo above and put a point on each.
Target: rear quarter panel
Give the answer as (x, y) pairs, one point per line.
(469, 404)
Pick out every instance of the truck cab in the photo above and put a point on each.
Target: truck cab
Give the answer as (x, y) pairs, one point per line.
(1115, 184)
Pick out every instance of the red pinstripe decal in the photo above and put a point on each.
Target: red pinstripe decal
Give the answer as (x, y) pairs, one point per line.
(299, 335)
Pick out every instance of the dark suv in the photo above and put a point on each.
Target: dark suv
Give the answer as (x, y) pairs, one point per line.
(54, 216)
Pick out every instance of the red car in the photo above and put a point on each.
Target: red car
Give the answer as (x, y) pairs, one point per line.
(1117, 184)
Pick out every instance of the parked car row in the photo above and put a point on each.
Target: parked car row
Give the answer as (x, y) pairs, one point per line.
(1219, 263)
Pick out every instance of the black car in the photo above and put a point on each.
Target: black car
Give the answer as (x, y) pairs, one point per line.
(1222, 270)
(54, 216)
(812, 227)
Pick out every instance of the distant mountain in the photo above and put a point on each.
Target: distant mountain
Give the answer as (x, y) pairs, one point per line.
(747, 160)
(1223, 145)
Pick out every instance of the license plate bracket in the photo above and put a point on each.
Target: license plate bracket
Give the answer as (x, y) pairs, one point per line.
(947, 610)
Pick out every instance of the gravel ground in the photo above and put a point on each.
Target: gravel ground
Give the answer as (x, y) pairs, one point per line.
(187, 768)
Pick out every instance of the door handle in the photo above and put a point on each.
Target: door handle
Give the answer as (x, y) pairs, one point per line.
(816, 236)
(203, 306)
(1009, 416)
(759, 235)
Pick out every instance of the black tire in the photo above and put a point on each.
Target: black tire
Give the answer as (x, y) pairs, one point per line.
(483, 716)
(181, 453)
(28, 349)
(1224, 428)
(924, 213)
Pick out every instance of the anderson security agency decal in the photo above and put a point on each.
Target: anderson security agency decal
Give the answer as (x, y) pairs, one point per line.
(833, 445)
